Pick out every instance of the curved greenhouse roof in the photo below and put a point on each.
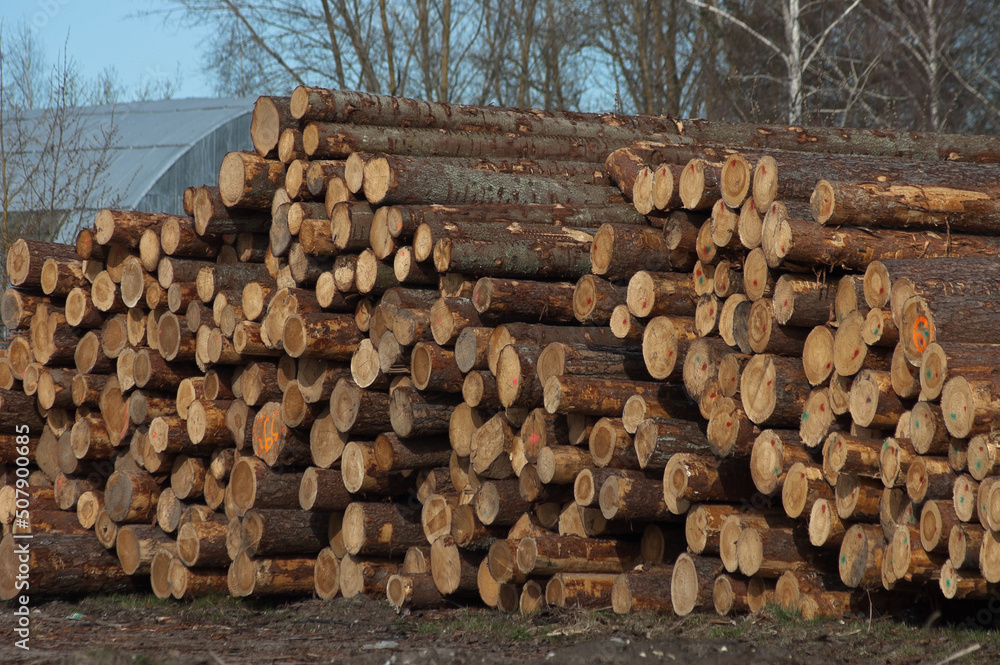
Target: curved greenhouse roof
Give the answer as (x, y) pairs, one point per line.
(146, 153)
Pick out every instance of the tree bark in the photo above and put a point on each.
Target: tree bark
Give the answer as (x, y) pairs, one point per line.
(395, 179)
(908, 203)
(804, 242)
(338, 141)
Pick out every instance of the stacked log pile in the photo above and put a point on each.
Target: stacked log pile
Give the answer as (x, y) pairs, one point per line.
(425, 352)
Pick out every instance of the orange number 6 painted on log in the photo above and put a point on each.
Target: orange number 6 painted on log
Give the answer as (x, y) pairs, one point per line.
(922, 333)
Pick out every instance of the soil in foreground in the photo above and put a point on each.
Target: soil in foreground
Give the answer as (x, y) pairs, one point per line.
(121, 630)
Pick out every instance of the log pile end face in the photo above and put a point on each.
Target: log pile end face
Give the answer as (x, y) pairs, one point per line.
(770, 345)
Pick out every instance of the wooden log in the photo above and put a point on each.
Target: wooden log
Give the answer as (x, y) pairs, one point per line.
(414, 591)
(137, 544)
(907, 202)
(557, 256)
(26, 258)
(633, 498)
(799, 241)
(665, 293)
(393, 453)
(359, 411)
(692, 583)
(270, 116)
(525, 333)
(248, 180)
(594, 396)
(397, 179)
(255, 485)
(858, 498)
(269, 532)
(642, 589)
(412, 414)
(861, 556)
(60, 276)
(817, 418)
(964, 544)
(657, 440)
(825, 526)
(277, 576)
(404, 221)
(580, 590)
(328, 336)
(928, 431)
(692, 477)
(514, 299)
(130, 496)
(337, 141)
(929, 478)
(455, 571)
(547, 555)
(619, 251)
(804, 484)
(323, 490)
(774, 390)
(274, 441)
(383, 110)
(187, 477)
(773, 454)
(941, 360)
(62, 565)
(873, 401)
(206, 422)
(212, 279)
(773, 552)
(499, 502)
(433, 367)
(967, 405)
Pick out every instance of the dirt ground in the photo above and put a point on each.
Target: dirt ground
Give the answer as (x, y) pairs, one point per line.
(139, 629)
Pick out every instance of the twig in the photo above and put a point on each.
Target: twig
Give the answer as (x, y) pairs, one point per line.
(961, 654)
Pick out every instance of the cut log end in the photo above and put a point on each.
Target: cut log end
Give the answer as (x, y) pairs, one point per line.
(822, 202)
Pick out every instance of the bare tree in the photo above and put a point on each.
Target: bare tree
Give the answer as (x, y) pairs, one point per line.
(655, 50)
(53, 159)
(797, 50)
(799, 61)
(937, 65)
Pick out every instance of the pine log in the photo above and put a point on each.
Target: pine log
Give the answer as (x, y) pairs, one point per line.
(396, 179)
(255, 485)
(657, 440)
(277, 576)
(130, 496)
(692, 583)
(62, 565)
(799, 241)
(699, 477)
(558, 256)
(969, 405)
(619, 251)
(360, 108)
(60, 276)
(547, 555)
(337, 141)
(663, 293)
(26, 258)
(593, 396)
(907, 202)
(774, 390)
(413, 414)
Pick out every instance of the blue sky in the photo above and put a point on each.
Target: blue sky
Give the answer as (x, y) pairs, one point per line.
(102, 33)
